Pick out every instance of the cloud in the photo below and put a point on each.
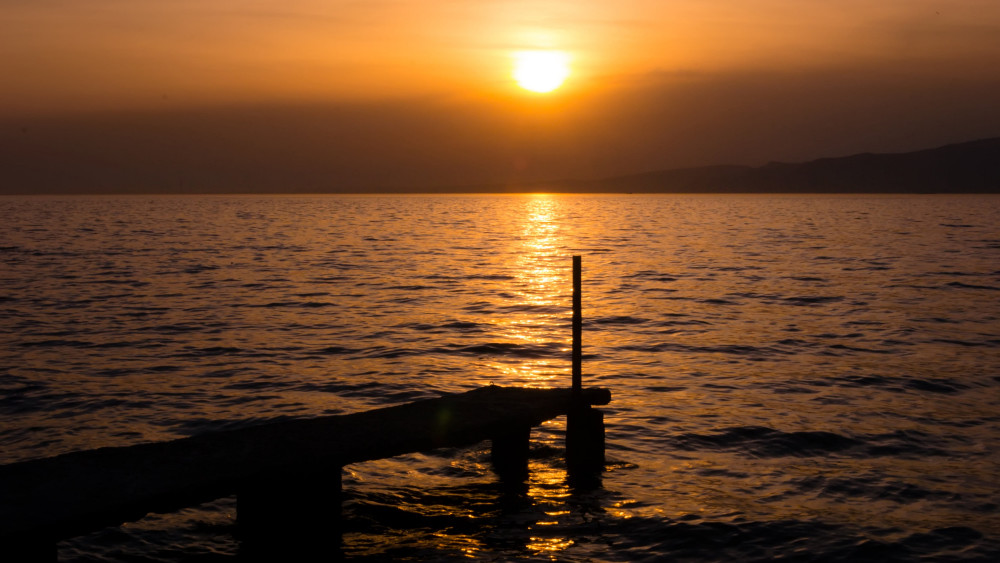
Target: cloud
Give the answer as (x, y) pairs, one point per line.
(654, 121)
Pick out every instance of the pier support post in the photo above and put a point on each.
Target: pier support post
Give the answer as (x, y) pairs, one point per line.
(32, 549)
(290, 515)
(585, 444)
(509, 454)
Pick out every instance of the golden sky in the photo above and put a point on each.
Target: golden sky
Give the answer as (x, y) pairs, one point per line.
(653, 84)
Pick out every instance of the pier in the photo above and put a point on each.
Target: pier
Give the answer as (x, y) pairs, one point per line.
(286, 475)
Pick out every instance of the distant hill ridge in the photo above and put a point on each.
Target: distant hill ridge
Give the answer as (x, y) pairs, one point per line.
(972, 167)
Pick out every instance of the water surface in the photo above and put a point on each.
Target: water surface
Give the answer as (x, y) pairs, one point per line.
(797, 377)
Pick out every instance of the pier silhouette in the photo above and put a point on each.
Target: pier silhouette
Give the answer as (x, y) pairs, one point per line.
(286, 475)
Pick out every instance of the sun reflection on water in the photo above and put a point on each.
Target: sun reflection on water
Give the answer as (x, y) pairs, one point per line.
(548, 482)
(532, 373)
(542, 251)
(549, 545)
(537, 314)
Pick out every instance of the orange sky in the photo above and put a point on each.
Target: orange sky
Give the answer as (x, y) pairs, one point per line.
(419, 93)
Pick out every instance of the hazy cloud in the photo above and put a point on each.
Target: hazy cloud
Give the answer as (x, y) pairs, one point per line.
(662, 122)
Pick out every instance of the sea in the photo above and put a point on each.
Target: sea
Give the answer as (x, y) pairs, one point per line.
(793, 377)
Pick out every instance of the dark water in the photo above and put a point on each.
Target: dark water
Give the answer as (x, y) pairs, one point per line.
(797, 378)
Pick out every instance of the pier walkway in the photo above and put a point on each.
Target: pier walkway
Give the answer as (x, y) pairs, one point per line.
(285, 473)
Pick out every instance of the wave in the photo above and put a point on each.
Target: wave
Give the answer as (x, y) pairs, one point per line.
(961, 285)
(56, 343)
(899, 384)
(808, 300)
(764, 442)
(732, 349)
(286, 304)
(504, 349)
(760, 441)
(618, 320)
(648, 539)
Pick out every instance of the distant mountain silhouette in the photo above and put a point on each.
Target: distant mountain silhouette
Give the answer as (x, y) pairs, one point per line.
(972, 167)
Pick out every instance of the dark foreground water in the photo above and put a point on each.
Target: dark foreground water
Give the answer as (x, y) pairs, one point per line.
(797, 378)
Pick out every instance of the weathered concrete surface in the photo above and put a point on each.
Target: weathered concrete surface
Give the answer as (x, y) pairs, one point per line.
(72, 494)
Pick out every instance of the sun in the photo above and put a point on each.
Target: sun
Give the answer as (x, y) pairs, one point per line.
(541, 71)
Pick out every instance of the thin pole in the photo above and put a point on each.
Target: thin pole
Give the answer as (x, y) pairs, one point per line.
(577, 328)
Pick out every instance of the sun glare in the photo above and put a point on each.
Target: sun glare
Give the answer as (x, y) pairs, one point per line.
(541, 71)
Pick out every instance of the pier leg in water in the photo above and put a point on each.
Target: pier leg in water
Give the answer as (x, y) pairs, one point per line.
(509, 454)
(294, 515)
(32, 549)
(585, 446)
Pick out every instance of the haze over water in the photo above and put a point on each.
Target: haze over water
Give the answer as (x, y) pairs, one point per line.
(800, 377)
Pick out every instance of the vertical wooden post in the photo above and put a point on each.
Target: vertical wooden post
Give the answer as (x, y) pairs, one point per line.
(577, 326)
(585, 445)
(584, 425)
(293, 514)
(32, 549)
(509, 454)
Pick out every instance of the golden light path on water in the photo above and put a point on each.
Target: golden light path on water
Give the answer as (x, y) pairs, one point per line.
(542, 297)
(540, 291)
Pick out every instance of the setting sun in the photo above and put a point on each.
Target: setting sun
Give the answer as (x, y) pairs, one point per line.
(541, 71)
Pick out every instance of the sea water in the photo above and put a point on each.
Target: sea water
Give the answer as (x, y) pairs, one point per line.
(793, 377)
